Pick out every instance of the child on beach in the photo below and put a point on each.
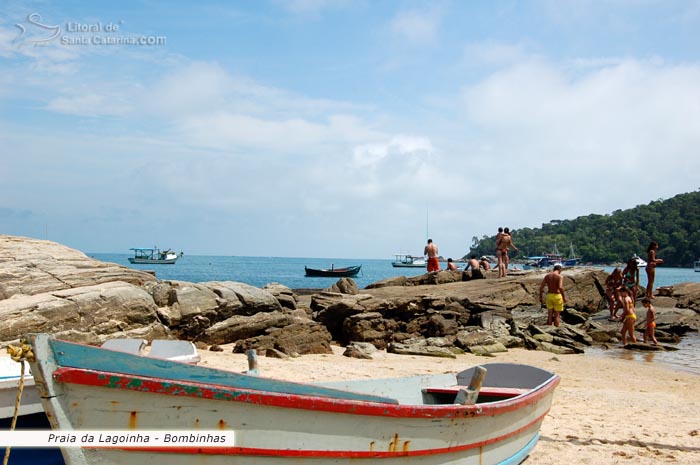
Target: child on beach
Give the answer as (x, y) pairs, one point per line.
(628, 315)
(651, 322)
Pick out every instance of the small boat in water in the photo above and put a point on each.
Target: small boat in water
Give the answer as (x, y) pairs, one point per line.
(346, 272)
(543, 261)
(696, 265)
(489, 415)
(572, 260)
(408, 261)
(153, 256)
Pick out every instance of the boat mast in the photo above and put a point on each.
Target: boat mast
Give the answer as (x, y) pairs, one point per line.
(427, 234)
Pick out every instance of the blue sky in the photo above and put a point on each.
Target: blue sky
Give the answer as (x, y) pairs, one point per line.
(338, 128)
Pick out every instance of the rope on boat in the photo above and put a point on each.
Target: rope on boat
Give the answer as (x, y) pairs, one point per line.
(20, 355)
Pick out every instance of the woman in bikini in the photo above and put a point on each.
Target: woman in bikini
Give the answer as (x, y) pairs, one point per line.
(652, 261)
(630, 276)
(612, 292)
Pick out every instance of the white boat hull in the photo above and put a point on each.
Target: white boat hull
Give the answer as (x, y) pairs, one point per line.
(148, 261)
(9, 385)
(287, 423)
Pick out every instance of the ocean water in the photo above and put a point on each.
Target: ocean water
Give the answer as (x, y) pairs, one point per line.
(258, 271)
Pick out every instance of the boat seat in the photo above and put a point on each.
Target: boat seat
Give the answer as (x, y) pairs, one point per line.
(175, 350)
(128, 345)
(447, 395)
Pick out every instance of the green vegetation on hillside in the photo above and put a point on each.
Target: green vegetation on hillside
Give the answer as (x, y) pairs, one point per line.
(673, 223)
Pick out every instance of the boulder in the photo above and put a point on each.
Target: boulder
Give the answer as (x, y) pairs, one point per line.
(362, 350)
(244, 299)
(488, 349)
(240, 327)
(284, 295)
(298, 338)
(83, 314)
(344, 286)
(414, 347)
(368, 327)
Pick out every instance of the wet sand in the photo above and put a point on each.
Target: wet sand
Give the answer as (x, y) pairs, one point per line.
(605, 411)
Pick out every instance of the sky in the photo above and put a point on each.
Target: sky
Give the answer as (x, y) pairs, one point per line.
(338, 128)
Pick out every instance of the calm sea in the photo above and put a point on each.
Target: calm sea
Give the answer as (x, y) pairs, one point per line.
(258, 271)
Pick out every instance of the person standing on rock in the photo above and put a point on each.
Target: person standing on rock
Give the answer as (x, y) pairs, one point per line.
(431, 251)
(498, 250)
(650, 323)
(505, 243)
(652, 261)
(555, 295)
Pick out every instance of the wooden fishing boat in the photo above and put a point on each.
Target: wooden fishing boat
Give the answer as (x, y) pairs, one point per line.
(272, 422)
(346, 272)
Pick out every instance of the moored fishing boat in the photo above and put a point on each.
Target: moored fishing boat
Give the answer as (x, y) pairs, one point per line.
(153, 256)
(332, 272)
(408, 261)
(388, 422)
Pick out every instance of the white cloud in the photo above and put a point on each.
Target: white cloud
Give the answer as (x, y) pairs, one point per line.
(88, 105)
(418, 26)
(582, 140)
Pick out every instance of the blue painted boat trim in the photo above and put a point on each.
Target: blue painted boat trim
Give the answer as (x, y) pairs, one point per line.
(522, 453)
(93, 358)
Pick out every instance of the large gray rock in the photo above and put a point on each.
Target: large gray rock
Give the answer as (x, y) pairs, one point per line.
(298, 338)
(243, 327)
(85, 314)
(33, 266)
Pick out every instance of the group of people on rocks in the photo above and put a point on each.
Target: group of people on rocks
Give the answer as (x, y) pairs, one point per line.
(621, 288)
(621, 285)
(433, 263)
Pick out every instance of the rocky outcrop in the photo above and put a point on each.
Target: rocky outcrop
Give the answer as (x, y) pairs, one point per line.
(46, 287)
(33, 266)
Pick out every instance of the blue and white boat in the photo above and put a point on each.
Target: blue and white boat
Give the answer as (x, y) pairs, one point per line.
(438, 419)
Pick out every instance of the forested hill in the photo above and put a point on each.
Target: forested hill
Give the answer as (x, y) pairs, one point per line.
(673, 223)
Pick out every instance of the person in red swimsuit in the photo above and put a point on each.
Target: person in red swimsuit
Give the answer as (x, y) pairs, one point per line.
(505, 243)
(431, 251)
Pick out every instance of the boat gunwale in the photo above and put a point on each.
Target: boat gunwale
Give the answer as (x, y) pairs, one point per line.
(212, 391)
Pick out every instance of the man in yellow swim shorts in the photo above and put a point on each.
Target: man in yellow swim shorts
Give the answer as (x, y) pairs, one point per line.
(555, 294)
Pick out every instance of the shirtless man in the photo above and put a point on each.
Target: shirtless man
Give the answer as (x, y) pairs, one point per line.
(485, 263)
(451, 265)
(431, 251)
(503, 245)
(474, 264)
(555, 294)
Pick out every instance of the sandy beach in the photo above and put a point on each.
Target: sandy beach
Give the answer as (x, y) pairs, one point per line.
(605, 411)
